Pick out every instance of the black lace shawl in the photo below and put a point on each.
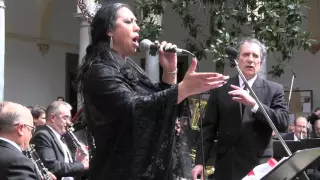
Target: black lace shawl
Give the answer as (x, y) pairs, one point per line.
(132, 121)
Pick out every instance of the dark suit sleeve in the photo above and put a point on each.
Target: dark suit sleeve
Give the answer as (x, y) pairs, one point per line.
(22, 168)
(288, 136)
(278, 111)
(43, 145)
(209, 128)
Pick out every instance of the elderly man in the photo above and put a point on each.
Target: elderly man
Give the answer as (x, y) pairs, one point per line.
(300, 130)
(248, 141)
(52, 148)
(16, 127)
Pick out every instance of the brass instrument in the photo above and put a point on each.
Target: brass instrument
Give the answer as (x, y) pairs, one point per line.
(209, 169)
(40, 168)
(75, 140)
(196, 113)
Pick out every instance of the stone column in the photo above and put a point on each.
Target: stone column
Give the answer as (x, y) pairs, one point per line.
(152, 62)
(2, 47)
(84, 41)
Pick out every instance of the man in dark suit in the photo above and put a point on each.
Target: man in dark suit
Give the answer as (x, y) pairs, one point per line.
(51, 147)
(300, 130)
(235, 119)
(16, 127)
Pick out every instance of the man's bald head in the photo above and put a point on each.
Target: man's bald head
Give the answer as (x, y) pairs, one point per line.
(301, 124)
(11, 114)
(16, 123)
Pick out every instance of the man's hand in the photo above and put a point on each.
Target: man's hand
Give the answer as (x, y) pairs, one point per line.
(197, 170)
(242, 96)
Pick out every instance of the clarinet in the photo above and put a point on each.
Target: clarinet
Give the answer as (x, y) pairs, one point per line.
(40, 168)
(75, 140)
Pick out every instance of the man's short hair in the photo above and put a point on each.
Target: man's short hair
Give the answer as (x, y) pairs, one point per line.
(7, 119)
(263, 48)
(37, 111)
(300, 117)
(55, 108)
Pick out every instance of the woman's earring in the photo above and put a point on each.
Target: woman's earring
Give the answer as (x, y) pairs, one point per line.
(111, 42)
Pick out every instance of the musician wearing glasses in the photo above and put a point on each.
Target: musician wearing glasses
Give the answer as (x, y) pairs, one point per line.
(300, 130)
(16, 128)
(51, 147)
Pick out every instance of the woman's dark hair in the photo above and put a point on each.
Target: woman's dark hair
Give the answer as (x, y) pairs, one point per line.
(37, 111)
(99, 50)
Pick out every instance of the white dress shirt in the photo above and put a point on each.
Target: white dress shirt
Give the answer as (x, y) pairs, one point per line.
(250, 83)
(66, 152)
(295, 138)
(12, 143)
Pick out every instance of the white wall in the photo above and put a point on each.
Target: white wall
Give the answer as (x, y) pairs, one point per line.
(30, 77)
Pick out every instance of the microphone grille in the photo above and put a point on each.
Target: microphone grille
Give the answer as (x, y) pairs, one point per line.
(145, 44)
(232, 52)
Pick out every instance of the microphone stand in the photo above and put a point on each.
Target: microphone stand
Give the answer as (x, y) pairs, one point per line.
(291, 86)
(234, 63)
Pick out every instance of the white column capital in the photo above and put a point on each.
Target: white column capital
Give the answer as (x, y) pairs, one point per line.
(82, 18)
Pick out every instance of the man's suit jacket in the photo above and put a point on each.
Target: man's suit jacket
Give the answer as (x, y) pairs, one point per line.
(244, 138)
(14, 165)
(288, 136)
(51, 153)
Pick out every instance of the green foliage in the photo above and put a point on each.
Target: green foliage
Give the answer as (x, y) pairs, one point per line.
(276, 23)
(150, 30)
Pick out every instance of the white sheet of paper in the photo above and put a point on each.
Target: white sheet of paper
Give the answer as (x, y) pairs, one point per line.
(306, 107)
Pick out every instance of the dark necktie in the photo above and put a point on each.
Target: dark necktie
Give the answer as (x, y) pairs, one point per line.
(242, 105)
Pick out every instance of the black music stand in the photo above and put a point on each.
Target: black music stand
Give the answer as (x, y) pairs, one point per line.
(280, 152)
(310, 143)
(294, 165)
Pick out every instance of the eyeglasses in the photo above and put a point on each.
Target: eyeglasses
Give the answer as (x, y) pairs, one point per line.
(300, 126)
(33, 129)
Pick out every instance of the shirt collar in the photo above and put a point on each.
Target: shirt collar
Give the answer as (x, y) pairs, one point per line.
(12, 143)
(54, 132)
(250, 81)
(295, 138)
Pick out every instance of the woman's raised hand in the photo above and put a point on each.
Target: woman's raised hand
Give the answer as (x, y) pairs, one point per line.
(198, 82)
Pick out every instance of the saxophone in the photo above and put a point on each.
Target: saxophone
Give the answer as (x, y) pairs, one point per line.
(75, 140)
(40, 168)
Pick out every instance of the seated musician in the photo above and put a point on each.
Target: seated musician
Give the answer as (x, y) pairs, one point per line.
(53, 150)
(300, 130)
(16, 127)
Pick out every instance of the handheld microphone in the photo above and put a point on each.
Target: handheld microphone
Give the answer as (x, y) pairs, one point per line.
(146, 44)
